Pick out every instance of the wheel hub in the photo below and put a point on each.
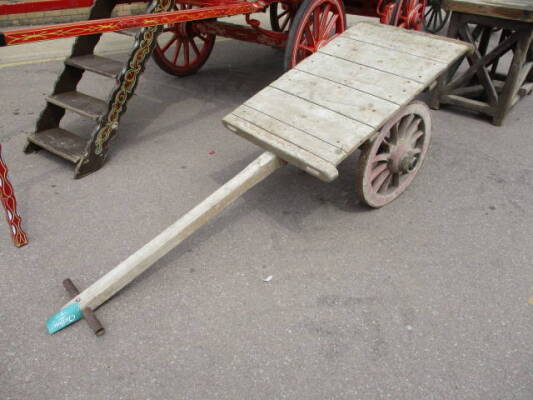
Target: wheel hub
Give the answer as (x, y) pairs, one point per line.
(403, 159)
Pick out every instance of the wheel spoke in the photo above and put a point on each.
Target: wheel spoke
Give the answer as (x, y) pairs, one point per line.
(306, 48)
(176, 55)
(377, 171)
(324, 19)
(415, 137)
(412, 128)
(380, 180)
(328, 34)
(186, 52)
(404, 124)
(386, 183)
(309, 34)
(283, 14)
(195, 48)
(285, 23)
(381, 157)
(316, 24)
(169, 43)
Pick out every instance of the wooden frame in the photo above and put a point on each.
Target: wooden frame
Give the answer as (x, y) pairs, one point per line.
(482, 88)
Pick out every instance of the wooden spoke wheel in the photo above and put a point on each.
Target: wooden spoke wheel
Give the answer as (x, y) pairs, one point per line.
(180, 50)
(435, 16)
(282, 15)
(389, 162)
(316, 23)
(413, 15)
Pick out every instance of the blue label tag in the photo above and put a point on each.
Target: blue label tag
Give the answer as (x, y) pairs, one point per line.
(64, 318)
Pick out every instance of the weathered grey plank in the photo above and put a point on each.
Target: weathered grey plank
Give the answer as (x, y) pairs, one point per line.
(387, 60)
(304, 160)
(369, 80)
(345, 100)
(418, 44)
(329, 126)
(293, 135)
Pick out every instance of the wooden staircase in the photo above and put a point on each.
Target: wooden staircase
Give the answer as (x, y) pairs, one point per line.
(89, 154)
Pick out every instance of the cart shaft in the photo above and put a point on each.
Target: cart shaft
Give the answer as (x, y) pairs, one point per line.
(140, 261)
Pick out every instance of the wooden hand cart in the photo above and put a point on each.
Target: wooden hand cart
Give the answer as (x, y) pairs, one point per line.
(357, 91)
(181, 35)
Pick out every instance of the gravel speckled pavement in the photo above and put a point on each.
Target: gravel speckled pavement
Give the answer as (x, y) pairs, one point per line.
(428, 298)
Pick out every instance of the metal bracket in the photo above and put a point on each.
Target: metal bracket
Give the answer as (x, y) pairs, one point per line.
(88, 313)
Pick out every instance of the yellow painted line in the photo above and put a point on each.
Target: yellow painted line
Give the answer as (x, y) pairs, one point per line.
(43, 60)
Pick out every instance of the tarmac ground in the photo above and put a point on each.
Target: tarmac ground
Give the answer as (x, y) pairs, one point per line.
(430, 297)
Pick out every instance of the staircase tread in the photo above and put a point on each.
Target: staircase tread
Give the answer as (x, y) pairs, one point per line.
(60, 142)
(80, 103)
(97, 64)
(129, 32)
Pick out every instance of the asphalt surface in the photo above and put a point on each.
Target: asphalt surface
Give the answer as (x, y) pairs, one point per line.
(430, 297)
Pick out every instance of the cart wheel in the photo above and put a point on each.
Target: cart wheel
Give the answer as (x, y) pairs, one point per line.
(435, 16)
(390, 161)
(180, 50)
(413, 15)
(316, 23)
(282, 15)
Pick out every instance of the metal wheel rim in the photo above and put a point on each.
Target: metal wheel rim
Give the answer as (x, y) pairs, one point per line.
(391, 161)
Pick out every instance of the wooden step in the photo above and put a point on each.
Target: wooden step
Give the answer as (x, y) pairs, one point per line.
(80, 103)
(99, 65)
(128, 32)
(60, 142)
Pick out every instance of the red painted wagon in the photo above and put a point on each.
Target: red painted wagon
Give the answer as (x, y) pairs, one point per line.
(181, 35)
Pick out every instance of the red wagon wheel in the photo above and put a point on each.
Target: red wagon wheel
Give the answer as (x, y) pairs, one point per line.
(316, 23)
(413, 15)
(390, 162)
(282, 15)
(180, 50)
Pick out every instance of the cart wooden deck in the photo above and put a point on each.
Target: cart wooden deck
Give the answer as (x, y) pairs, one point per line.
(322, 110)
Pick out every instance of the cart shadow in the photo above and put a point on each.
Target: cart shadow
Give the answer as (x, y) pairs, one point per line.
(287, 198)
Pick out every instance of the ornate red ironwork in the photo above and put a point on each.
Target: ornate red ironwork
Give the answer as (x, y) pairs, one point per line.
(7, 195)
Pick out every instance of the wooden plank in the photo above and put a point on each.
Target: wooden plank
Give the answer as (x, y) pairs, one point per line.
(100, 65)
(290, 134)
(401, 64)
(60, 142)
(289, 152)
(518, 10)
(80, 103)
(109, 284)
(435, 48)
(324, 124)
(369, 80)
(352, 103)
